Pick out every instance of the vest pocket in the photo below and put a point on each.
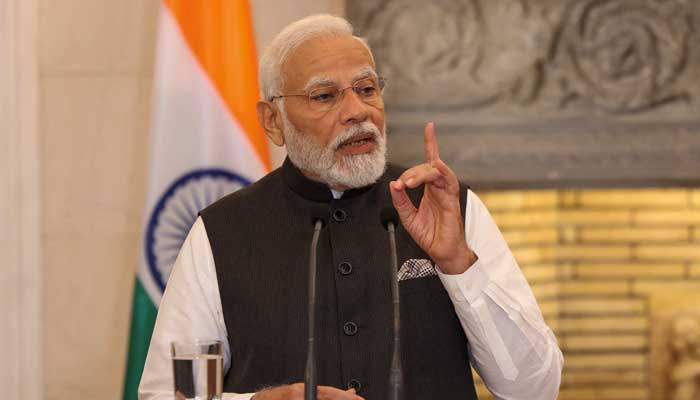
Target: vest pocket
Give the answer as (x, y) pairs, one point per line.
(432, 337)
(408, 286)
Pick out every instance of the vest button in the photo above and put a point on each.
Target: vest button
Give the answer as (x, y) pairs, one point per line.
(345, 268)
(354, 384)
(350, 328)
(339, 215)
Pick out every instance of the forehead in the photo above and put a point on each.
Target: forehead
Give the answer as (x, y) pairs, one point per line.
(339, 57)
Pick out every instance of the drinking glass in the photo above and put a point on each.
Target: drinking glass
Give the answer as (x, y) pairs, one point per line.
(198, 369)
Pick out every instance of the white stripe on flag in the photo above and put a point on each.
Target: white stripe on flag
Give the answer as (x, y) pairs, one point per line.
(191, 129)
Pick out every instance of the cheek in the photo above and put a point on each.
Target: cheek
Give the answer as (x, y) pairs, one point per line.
(319, 129)
(378, 118)
(322, 131)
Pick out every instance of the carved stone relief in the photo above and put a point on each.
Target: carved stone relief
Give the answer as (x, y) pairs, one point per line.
(543, 92)
(624, 56)
(448, 57)
(674, 353)
(685, 370)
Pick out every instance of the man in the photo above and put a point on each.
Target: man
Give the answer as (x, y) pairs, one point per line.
(242, 272)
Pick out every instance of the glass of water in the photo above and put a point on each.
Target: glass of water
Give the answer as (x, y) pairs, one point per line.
(198, 369)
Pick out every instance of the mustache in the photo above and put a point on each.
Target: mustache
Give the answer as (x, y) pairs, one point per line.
(356, 130)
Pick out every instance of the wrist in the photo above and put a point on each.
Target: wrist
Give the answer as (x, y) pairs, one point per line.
(459, 263)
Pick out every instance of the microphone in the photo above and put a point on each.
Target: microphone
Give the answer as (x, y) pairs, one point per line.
(319, 218)
(390, 219)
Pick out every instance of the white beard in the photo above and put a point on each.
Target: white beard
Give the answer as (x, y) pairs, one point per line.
(349, 171)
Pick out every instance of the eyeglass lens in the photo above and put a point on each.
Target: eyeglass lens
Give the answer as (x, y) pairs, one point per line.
(324, 98)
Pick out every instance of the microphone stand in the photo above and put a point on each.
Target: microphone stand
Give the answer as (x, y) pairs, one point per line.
(389, 218)
(311, 374)
(396, 376)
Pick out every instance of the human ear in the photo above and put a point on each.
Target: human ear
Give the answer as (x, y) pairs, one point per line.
(269, 117)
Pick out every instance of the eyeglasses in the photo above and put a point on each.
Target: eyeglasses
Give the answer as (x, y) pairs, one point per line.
(369, 90)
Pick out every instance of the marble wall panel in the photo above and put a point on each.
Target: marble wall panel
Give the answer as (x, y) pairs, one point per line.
(93, 153)
(20, 273)
(97, 36)
(86, 314)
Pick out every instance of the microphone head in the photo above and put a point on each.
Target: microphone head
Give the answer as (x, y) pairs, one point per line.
(389, 214)
(319, 213)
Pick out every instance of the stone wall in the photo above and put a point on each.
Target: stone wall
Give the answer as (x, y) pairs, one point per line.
(594, 259)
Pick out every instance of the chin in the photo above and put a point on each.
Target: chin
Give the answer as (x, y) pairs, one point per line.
(358, 170)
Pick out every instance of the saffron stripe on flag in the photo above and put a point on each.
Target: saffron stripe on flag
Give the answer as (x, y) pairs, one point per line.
(221, 37)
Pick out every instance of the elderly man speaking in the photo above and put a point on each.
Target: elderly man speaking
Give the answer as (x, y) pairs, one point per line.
(241, 276)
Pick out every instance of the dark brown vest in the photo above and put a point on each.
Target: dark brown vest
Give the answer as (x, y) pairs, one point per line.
(260, 239)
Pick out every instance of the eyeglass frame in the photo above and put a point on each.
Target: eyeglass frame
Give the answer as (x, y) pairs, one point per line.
(381, 83)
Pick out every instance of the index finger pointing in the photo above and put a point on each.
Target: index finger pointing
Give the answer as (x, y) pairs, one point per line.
(431, 146)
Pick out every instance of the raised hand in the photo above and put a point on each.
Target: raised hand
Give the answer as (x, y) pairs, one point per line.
(437, 225)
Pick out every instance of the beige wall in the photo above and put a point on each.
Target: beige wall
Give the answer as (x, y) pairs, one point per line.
(96, 61)
(95, 74)
(20, 270)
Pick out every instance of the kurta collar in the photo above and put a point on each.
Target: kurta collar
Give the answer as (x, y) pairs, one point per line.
(313, 190)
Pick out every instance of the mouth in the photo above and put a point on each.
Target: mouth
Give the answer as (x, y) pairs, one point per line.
(358, 144)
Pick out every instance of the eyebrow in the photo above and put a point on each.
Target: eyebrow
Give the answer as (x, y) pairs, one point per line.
(365, 72)
(317, 81)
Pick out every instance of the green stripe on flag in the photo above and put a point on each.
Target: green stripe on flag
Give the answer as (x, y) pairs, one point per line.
(143, 317)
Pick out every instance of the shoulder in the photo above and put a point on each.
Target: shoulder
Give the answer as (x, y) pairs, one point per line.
(259, 191)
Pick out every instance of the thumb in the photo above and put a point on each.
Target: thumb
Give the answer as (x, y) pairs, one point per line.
(353, 392)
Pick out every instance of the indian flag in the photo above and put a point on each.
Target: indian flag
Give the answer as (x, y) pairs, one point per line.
(205, 141)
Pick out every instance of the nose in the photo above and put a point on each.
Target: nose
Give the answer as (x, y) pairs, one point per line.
(351, 108)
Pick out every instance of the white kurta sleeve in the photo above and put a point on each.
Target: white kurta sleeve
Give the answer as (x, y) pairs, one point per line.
(189, 310)
(512, 348)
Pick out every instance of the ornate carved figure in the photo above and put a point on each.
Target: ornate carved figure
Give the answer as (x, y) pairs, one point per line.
(544, 92)
(458, 53)
(624, 55)
(685, 373)
(621, 56)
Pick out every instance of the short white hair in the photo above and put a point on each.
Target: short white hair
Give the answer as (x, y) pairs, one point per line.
(291, 37)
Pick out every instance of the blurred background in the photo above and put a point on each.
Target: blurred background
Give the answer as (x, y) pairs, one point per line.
(600, 202)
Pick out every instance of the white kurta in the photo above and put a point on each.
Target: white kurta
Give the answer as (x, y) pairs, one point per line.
(512, 349)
